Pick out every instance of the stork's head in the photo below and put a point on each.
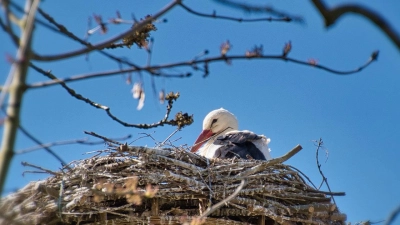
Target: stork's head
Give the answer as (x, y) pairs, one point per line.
(216, 123)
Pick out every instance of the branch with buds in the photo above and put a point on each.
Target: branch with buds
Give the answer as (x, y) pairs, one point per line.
(180, 120)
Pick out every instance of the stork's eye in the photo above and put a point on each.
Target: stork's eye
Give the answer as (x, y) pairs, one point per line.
(214, 121)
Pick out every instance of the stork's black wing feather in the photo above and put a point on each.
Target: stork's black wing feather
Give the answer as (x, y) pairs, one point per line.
(237, 137)
(238, 145)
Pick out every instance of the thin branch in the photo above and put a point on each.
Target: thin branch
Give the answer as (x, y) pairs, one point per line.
(181, 119)
(63, 30)
(393, 216)
(304, 175)
(264, 165)
(7, 29)
(51, 144)
(213, 208)
(101, 74)
(173, 133)
(318, 164)
(324, 179)
(106, 43)
(39, 168)
(215, 16)
(83, 141)
(193, 63)
(331, 16)
(102, 137)
(10, 17)
(259, 9)
(50, 151)
(145, 136)
(37, 21)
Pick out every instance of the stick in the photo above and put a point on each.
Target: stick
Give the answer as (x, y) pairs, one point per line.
(221, 203)
(271, 162)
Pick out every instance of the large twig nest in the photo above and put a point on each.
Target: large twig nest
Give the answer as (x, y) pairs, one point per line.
(138, 185)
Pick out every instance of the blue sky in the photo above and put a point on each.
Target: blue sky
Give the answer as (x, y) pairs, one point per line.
(357, 116)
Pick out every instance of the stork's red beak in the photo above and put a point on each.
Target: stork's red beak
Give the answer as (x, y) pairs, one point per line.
(205, 134)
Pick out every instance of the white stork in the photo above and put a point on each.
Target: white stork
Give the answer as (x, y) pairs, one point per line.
(221, 139)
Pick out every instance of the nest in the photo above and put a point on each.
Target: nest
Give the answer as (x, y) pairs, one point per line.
(139, 185)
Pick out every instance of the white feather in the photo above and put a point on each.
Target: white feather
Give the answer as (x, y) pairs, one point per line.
(227, 124)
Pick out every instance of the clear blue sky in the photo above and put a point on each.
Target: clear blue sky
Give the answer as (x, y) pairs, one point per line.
(357, 116)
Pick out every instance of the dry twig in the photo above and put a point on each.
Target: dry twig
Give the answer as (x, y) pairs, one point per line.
(324, 179)
(83, 141)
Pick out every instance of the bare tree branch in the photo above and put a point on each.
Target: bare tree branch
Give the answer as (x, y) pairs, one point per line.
(180, 120)
(205, 61)
(7, 29)
(37, 21)
(215, 16)
(104, 44)
(331, 15)
(104, 74)
(259, 9)
(63, 30)
(10, 17)
(393, 216)
(50, 151)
